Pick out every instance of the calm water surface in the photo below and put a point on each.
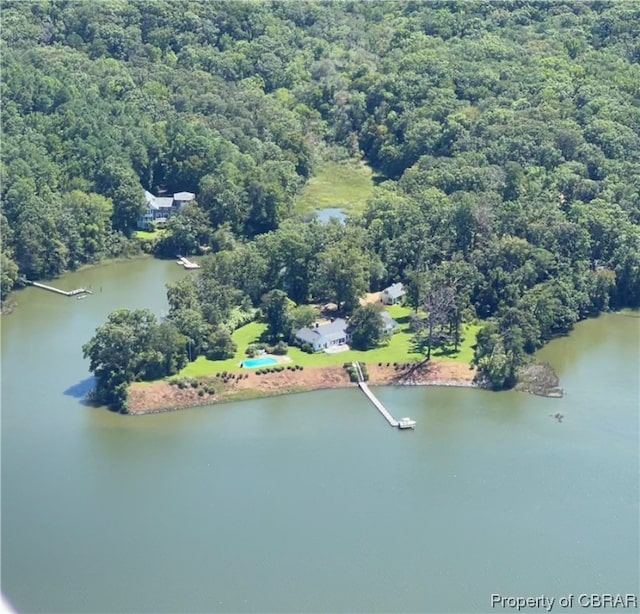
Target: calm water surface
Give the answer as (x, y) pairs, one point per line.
(329, 213)
(309, 502)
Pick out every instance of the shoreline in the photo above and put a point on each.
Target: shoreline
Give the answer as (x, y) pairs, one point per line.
(162, 396)
(10, 302)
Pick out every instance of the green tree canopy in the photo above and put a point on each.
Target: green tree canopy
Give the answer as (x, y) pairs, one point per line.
(276, 311)
(366, 327)
(132, 345)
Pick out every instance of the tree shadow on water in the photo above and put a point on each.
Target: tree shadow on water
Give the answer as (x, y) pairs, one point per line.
(81, 390)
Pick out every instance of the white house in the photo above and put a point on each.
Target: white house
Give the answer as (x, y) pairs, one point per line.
(393, 294)
(388, 322)
(161, 208)
(324, 336)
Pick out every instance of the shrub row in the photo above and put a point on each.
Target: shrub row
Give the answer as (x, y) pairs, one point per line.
(399, 366)
(227, 375)
(183, 382)
(269, 370)
(278, 369)
(206, 390)
(186, 382)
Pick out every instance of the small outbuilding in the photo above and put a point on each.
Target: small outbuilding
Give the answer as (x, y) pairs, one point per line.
(393, 294)
(389, 323)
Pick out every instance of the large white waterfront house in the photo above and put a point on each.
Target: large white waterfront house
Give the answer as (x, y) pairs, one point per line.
(161, 208)
(324, 336)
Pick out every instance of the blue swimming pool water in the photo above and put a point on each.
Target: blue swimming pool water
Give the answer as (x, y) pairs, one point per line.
(252, 363)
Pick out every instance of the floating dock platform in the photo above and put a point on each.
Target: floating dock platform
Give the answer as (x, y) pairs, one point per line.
(187, 264)
(406, 423)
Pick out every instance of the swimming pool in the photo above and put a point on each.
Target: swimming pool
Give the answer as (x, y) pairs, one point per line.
(264, 361)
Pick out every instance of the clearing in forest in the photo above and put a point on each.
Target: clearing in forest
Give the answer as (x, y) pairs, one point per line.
(345, 185)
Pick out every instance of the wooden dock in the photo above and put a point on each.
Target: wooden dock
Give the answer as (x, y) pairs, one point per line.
(379, 406)
(187, 264)
(78, 292)
(404, 423)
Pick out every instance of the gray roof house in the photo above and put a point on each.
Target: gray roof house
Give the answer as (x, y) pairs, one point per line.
(323, 336)
(393, 294)
(389, 323)
(161, 208)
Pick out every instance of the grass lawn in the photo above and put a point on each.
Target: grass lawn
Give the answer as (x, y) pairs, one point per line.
(346, 185)
(399, 349)
(149, 236)
(243, 336)
(146, 234)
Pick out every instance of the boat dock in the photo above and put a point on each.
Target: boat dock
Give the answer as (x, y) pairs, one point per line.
(187, 264)
(78, 292)
(403, 423)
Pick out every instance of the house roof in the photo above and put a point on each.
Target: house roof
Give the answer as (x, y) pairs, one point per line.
(337, 326)
(395, 290)
(184, 196)
(329, 332)
(308, 335)
(166, 202)
(162, 202)
(335, 335)
(388, 321)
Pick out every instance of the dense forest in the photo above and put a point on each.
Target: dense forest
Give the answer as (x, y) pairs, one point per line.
(506, 135)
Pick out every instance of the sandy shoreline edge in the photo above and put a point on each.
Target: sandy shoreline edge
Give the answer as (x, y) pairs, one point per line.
(159, 397)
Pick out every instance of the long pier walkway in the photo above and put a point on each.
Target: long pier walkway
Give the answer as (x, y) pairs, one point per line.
(76, 292)
(404, 423)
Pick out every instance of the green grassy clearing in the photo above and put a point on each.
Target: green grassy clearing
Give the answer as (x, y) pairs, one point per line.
(399, 349)
(149, 236)
(346, 185)
(243, 336)
(146, 234)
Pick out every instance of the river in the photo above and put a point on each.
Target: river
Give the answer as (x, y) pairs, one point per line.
(309, 502)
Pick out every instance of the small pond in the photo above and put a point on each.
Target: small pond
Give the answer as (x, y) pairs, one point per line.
(324, 215)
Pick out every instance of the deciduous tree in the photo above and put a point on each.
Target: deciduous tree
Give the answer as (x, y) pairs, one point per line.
(366, 327)
(132, 345)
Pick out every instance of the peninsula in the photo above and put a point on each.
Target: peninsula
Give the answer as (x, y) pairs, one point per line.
(483, 159)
